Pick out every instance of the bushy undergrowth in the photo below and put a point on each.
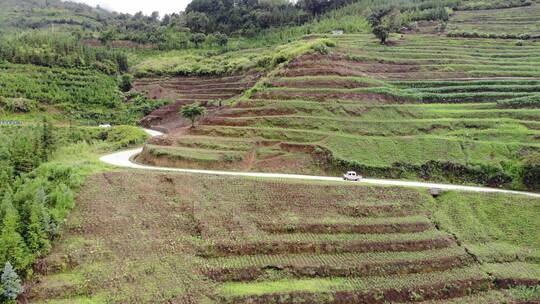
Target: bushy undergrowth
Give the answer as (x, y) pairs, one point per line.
(59, 50)
(219, 64)
(17, 105)
(431, 170)
(82, 94)
(37, 195)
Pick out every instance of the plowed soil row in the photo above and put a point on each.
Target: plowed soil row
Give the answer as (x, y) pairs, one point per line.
(323, 96)
(198, 80)
(346, 228)
(232, 88)
(378, 210)
(368, 67)
(446, 290)
(321, 71)
(245, 274)
(329, 71)
(292, 247)
(316, 83)
(239, 112)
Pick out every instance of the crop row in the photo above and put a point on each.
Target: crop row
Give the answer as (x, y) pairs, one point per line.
(287, 247)
(354, 284)
(360, 269)
(343, 259)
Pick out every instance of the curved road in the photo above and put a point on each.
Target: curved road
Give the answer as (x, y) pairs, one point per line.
(124, 159)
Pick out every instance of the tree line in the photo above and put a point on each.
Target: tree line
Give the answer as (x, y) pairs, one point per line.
(59, 50)
(34, 200)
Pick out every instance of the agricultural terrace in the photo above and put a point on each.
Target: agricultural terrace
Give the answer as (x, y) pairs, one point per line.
(429, 106)
(150, 237)
(515, 22)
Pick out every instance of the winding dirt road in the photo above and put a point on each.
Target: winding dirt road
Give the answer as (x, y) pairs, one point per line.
(124, 159)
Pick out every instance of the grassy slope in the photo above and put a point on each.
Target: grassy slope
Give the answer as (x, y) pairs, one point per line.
(26, 14)
(494, 228)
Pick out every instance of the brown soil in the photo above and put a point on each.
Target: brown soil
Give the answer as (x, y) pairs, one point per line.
(291, 247)
(364, 269)
(321, 71)
(381, 210)
(509, 282)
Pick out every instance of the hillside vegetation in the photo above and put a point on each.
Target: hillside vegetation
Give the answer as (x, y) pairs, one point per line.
(452, 94)
(455, 111)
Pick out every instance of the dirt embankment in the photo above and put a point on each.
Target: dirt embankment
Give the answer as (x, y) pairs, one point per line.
(293, 247)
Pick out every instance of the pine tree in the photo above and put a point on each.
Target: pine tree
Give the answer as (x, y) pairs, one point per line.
(47, 139)
(11, 284)
(36, 237)
(5, 204)
(13, 247)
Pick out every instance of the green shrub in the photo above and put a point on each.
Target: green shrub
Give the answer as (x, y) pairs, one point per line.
(531, 171)
(17, 105)
(125, 136)
(125, 82)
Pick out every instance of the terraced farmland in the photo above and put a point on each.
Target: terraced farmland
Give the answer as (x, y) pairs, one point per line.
(427, 107)
(186, 90)
(514, 21)
(149, 238)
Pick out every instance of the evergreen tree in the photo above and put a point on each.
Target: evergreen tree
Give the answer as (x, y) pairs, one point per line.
(47, 139)
(36, 236)
(5, 204)
(11, 284)
(13, 247)
(24, 153)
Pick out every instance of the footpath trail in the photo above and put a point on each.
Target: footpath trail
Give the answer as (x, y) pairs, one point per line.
(124, 159)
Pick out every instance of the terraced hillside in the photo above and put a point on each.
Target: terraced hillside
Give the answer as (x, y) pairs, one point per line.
(155, 238)
(208, 91)
(521, 21)
(429, 106)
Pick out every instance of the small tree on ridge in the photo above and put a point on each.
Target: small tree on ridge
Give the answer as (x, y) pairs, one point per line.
(193, 112)
(384, 21)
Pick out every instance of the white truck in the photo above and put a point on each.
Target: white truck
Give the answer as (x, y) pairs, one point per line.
(352, 176)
